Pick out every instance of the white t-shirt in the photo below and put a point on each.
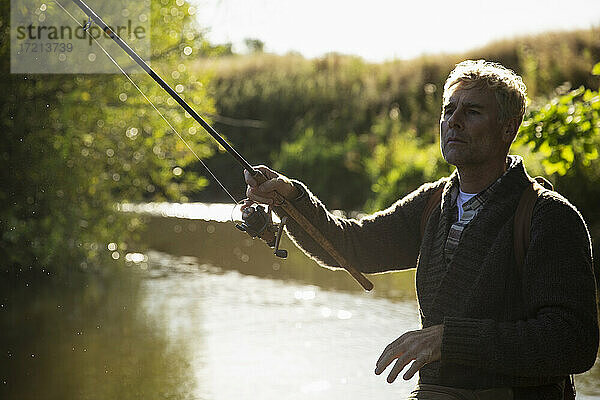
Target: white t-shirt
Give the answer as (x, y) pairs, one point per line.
(462, 199)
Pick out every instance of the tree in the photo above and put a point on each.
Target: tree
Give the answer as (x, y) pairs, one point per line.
(74, 146)
(254, 45)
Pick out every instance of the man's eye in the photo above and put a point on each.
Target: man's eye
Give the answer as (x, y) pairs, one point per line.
(472, 111)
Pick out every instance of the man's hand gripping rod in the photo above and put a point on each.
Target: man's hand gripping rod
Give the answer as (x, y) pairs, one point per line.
(260, 178)
(318, 237)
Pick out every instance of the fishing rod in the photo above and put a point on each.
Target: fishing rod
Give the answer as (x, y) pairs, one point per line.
(257, 223)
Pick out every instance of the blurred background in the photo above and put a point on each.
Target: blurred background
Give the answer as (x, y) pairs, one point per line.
(121, 276)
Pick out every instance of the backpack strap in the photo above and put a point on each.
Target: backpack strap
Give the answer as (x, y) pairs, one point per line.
(523, 214)
(433, 202)
(522, 231)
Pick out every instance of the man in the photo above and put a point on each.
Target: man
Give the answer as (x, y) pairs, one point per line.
(490, 329)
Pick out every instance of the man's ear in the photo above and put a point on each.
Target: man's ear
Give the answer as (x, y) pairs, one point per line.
(510, 129)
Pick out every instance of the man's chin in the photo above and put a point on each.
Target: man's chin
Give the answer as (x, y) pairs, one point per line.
(454, 159)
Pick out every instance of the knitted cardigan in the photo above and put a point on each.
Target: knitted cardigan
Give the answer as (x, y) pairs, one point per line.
(504, 326)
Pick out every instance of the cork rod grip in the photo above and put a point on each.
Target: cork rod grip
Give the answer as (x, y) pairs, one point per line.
(318, 237)
(323, 242)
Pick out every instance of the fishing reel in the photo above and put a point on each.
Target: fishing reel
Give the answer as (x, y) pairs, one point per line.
(257, 222)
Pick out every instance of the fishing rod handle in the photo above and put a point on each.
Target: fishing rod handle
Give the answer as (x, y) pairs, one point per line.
(323, 242)
(288, 207)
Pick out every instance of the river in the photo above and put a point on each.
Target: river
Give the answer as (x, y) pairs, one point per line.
(204, 312)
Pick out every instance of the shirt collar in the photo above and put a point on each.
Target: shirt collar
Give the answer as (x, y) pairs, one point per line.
(480, 198)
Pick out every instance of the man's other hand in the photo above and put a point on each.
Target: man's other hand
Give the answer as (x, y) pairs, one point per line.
(422, 346)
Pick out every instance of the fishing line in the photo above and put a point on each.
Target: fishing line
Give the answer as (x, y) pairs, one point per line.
(253, 217)
(152, 104)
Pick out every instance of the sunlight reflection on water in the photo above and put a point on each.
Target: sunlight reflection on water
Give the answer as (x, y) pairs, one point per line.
(250, 337)
(218, 212)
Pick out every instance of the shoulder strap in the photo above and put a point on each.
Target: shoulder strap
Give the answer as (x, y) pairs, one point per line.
(522, 230)
(523, 214)
(432, 203)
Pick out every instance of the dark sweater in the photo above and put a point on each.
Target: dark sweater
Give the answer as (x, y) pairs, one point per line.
(503, 326)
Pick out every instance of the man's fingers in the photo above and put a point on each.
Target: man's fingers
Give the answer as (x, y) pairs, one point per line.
(414, 367)
(259, 197)
(392, 351)
(402, 359)
(398, 367)
(382, 364)
(402, 362)
(265, 189)
(265, 173)
(247, 203)
(269, 186)
(385, 359)
(423, 346)
(261, 200)
(268, 181)
(249, 179)
(268, 172)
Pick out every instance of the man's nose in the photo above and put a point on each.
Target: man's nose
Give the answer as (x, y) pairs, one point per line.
(455, 121)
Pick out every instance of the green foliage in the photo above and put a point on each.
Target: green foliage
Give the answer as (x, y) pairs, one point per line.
(548, 60)
(254, 45)
(341, 98)
(566, 128)
(345, 181)
(400, 162)
(75, 145)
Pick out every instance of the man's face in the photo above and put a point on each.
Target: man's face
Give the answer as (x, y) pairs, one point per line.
(470, 133)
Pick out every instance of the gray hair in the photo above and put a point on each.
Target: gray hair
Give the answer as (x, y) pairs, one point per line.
(508, 87)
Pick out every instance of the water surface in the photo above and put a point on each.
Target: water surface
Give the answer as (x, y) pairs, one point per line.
(201, 311)
(251, 337)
